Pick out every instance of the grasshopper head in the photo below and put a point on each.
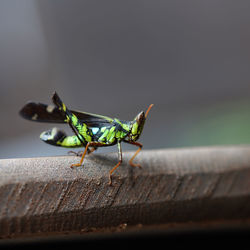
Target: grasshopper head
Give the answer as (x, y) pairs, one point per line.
(137, 125)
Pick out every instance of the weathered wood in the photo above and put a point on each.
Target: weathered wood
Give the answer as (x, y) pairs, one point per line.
(41, 196)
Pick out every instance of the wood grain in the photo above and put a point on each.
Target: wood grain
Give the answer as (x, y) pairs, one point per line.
(41, 196)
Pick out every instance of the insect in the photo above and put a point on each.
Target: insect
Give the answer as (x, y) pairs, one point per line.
(90, 130)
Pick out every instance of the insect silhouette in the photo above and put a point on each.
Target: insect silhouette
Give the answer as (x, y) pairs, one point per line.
(91, 130)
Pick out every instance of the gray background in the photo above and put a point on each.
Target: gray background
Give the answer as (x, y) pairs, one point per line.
(190, 58)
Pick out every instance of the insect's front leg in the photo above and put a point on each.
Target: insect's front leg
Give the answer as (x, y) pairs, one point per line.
(136, 153)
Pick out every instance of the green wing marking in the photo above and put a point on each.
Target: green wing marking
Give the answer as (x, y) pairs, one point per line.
(40, 112)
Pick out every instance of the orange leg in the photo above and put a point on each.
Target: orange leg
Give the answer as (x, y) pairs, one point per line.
(99, 144)
(80, 153)
(83, 155)
(118, 164)
(136, 153)
(112, 170)
(91, 150)
(89, 144)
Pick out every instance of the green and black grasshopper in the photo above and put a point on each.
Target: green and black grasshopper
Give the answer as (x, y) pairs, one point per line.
(91, 130)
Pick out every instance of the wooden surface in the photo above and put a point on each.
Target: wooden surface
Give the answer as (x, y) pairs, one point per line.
(43, 196)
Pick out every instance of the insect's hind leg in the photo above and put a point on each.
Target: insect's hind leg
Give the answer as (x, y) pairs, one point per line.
(81, 130)
(69, 117)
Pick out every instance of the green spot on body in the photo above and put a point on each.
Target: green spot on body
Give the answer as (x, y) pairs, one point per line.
(118, 121)
(118, 134)
(64, 107)
(70, 142)
(111, 134)
(135, 128)
(125, 127)
(123, 134)
(102, 138)
(74, 120)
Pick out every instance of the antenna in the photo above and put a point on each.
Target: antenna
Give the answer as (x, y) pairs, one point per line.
(150, 106)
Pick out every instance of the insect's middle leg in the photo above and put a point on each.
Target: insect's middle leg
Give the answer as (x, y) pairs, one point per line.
(118, 164)
(83, 155)
(89, 144)
(92, 150)
(80, 153)
(94, 146)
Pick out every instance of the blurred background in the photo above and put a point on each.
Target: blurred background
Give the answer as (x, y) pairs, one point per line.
(190, 58)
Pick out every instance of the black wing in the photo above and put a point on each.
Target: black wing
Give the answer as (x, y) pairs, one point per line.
(40, 112)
